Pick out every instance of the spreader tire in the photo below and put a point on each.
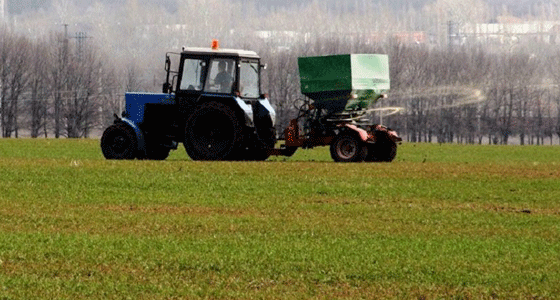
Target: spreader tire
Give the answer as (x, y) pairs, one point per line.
(119, 142)
(348, 148)
(384, 150)
(213, 132)
(289, 151)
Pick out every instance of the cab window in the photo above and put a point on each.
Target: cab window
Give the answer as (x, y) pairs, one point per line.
(249, 79)
(193, 74)
(221, 76)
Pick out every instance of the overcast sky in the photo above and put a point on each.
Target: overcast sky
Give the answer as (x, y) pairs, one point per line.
(515, 6)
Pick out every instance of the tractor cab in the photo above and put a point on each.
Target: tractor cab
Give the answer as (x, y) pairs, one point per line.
(214, 71)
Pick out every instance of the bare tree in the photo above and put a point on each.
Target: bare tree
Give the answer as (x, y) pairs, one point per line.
(6, 47)
(281, 80)
(507, 91)
(39, 90)
(14, 75)
(59, 56)
(553, 68)
(110, 96)
(82, 103)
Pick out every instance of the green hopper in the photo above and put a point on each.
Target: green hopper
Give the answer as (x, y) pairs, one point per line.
(342, 83)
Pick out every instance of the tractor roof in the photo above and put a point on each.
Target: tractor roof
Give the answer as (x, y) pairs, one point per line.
(221, 52)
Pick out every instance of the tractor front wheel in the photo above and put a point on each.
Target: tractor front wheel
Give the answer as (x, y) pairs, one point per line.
(348, 148)
(264, 142)
(213, 132)
(119, 142)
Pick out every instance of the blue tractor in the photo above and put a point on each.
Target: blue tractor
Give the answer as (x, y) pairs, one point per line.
(211, 102)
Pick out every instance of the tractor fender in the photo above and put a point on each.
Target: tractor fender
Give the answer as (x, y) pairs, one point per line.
(248, 110)
(265, 103)
(391, 134)
(139, 134)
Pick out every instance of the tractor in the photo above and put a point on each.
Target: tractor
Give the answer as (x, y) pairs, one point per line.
(212, 102)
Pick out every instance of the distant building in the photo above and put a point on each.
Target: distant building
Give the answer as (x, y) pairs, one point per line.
(289, 37)
(507, 33)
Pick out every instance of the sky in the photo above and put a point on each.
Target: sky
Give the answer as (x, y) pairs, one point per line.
(21, 6)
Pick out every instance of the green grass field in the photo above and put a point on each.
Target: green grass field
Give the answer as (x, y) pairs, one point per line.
(441, 221)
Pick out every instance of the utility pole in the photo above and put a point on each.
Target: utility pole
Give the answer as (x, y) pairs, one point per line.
(80, 41)
(80, 38)
(452, 36)
(65, 44)
(62, 84)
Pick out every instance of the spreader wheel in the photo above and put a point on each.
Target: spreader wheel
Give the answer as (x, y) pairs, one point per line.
(384, 150)
(348, 148)
(119, 142)
(289, 151)
(213, 132)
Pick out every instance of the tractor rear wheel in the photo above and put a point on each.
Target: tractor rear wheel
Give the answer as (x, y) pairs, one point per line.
(348, 148)
(119, 142)
(213, 132)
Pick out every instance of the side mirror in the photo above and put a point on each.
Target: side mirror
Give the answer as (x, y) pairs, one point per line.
(167, 63)
(166, 88)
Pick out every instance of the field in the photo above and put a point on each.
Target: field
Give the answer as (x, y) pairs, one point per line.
(442, 221)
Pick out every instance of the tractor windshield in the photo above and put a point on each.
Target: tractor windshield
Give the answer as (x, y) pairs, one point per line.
(249, 79)
(221, 76)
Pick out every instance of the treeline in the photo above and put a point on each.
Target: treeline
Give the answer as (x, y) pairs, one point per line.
(57, 86)
(471, 96)
(464, 95)
(54, 87)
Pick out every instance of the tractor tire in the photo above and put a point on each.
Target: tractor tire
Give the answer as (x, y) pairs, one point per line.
(266, 139)
(119, 142)
(213, 132)
(348, 148)
(157, 153)
(384, 150)
(253, 154)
